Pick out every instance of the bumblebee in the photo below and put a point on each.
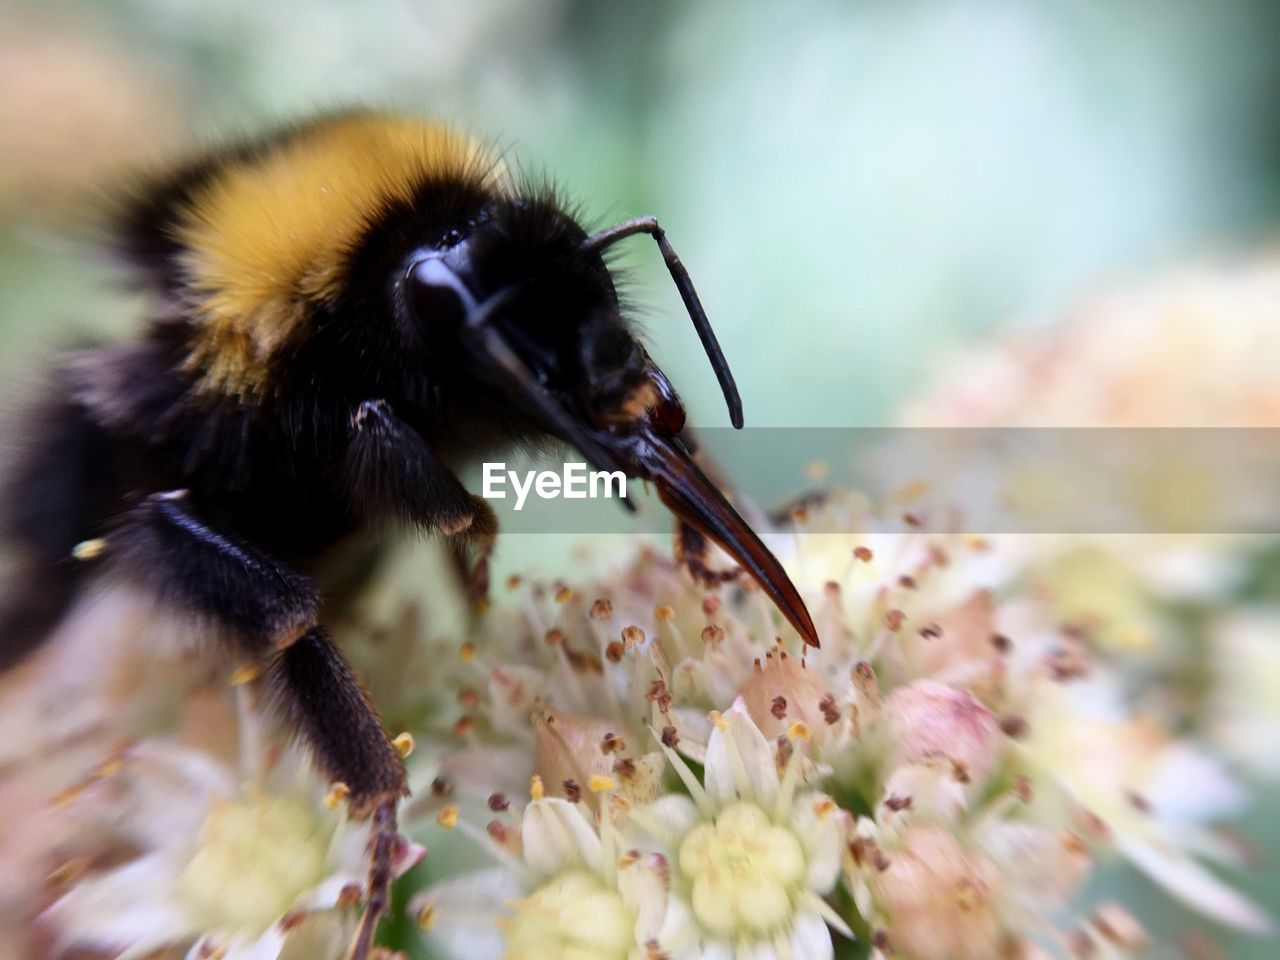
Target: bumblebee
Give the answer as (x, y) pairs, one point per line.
(343, 312)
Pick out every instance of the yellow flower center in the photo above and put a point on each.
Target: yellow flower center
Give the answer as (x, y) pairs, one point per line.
(573, 917)
(742, 871)
(256, 857)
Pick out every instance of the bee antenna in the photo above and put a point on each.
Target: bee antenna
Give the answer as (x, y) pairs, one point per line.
(601, 239)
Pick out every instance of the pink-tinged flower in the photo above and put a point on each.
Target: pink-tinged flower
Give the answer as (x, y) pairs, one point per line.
(783, 690)
(939, 901)
(931, 721)
(1193, 348)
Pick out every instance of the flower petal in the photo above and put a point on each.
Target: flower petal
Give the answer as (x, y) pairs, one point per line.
(645, 887)
(265, 947)
(810, 938)
(119, 910)
(740, 762)
(465, 912)
(1195, 886)
(556, 833)
(823, 837)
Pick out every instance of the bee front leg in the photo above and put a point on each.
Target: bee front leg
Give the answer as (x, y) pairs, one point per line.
(264, 614)
(693, 552)
(392, 474)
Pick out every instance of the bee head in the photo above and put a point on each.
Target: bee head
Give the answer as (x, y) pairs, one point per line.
(534, 316)
(523, 273)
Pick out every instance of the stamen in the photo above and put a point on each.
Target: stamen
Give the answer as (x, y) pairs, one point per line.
(337, 793)
(787, 788)
(691, 782)
(89, 549)
(426, 917)
(244, 674)
(600, 783)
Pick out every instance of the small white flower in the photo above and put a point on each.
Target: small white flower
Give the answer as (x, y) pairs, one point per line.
(229, 866)
(752, 856)
(562, 889)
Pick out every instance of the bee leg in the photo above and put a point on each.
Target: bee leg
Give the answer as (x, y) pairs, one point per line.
(254, 604)
(315, 690)
(392, 474)
(469, 553)
(384, 845)
(692, 548)
(692, 551)
(266, 614)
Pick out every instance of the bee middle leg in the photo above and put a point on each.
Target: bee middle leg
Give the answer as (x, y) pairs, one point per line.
(392, 474)
(266, 615)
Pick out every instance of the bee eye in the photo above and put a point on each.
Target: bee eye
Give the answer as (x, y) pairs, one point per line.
(436, 294)
(613, 363)
(611, 348)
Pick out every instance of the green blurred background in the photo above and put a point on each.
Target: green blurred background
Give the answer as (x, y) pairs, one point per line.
(857, 186)
(860, 189)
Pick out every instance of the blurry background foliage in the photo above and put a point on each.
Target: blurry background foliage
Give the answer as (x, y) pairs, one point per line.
(859, 188)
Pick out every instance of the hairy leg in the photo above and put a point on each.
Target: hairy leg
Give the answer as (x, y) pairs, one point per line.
(393, 475)
(265, 614)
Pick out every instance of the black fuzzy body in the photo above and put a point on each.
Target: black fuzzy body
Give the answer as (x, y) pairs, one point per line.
(123, 422)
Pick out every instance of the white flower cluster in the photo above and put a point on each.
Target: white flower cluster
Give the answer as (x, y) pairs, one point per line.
(935, 782)
(650, 768)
